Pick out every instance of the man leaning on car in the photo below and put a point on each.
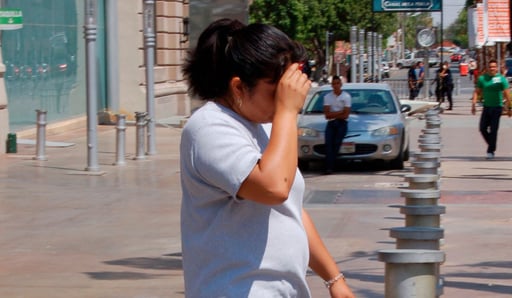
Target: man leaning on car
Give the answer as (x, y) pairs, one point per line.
(336, 110)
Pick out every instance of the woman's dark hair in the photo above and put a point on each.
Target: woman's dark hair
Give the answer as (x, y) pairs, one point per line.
(228, 48)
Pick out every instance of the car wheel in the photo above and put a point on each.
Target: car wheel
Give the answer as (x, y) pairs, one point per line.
(398, 162)
(303, 165)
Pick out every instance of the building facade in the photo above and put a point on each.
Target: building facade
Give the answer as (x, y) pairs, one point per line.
(45, 61)
(43, 65)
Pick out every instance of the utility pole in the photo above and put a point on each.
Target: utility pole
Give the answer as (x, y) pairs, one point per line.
(327, 36)
(361, 55)
(92, 101)
(355, 55)
(149, 51)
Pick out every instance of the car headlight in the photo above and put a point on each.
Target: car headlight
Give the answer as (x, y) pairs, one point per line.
(386, 131)
(307, 132)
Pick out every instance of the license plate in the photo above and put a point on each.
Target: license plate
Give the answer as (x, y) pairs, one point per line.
(348, 148)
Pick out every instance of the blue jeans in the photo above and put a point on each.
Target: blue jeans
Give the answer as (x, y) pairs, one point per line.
(489, 125)
(334, 134)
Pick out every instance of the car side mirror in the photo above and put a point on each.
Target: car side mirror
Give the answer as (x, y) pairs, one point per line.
(405, 108)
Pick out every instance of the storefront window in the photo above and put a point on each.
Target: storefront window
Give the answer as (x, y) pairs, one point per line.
(45, 61)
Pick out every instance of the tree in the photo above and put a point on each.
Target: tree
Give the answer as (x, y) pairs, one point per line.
(458, 31)
(307, 21)
(413, 22)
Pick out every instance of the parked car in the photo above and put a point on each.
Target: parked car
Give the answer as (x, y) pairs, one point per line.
(456, 57)
(12, 71)
(444, 49)
(414, 57)
(377, 126)
(384, 70)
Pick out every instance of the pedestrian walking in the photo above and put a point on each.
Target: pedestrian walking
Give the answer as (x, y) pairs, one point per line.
(336, 110)
(472, 67)
(244, 230)
(492, 86)
(415, 80)
(420, 73)
(444, 85)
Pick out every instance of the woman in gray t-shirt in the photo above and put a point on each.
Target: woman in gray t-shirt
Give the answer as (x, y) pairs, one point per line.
(244, 230)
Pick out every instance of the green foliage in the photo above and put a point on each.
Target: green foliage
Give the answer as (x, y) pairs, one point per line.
(413, 23)
(458, 31)
(307, 21)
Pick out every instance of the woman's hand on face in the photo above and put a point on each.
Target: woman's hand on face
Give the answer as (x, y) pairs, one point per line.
(292, 89)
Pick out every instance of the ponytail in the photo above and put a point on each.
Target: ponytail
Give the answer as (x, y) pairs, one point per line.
(205, 68)
(227, 48)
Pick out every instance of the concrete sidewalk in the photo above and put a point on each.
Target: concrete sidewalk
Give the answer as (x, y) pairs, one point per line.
(67, 233)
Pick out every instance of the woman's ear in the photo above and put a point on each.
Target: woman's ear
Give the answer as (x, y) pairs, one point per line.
(237, 87)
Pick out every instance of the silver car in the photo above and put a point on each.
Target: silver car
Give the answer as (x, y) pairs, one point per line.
(377, 128)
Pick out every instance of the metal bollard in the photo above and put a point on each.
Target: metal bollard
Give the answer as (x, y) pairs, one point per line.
(427, 156)
(41, 135)
(423, 216)
(426, 167)
(120, 139)
(423, 181)
(434, 123)
(427, 131)
(420, 197)
(417, 237)
(411, 272)
(140, 119)
(457, 86)
(430, 147)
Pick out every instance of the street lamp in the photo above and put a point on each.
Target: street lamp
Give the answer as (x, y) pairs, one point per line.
(149, 58)
(327, 35)
(92, 101)
(361, 55)
(354, 54)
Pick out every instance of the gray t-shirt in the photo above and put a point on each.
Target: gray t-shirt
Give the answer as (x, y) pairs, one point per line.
(233, 247)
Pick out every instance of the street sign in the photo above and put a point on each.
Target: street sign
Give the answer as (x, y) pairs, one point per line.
(406, 5)
(426, 37)
(11, 19)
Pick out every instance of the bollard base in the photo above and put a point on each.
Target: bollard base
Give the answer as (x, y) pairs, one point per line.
(40, 158)
(88, 173)
(411, 272)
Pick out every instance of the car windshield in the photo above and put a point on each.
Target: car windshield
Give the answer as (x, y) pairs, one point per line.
(365, 101)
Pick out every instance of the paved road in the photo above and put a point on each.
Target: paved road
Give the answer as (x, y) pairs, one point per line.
(65, 232)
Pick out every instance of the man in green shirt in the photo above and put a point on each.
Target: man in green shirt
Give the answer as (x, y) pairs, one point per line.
(493, 87)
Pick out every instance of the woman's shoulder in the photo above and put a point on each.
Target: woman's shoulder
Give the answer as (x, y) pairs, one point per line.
(207, 115)
(213, 118)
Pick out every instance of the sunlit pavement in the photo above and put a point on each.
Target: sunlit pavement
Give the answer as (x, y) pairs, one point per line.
(67, 233)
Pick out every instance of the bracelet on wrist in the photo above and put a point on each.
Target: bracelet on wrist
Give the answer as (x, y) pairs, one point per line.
(328, 284)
